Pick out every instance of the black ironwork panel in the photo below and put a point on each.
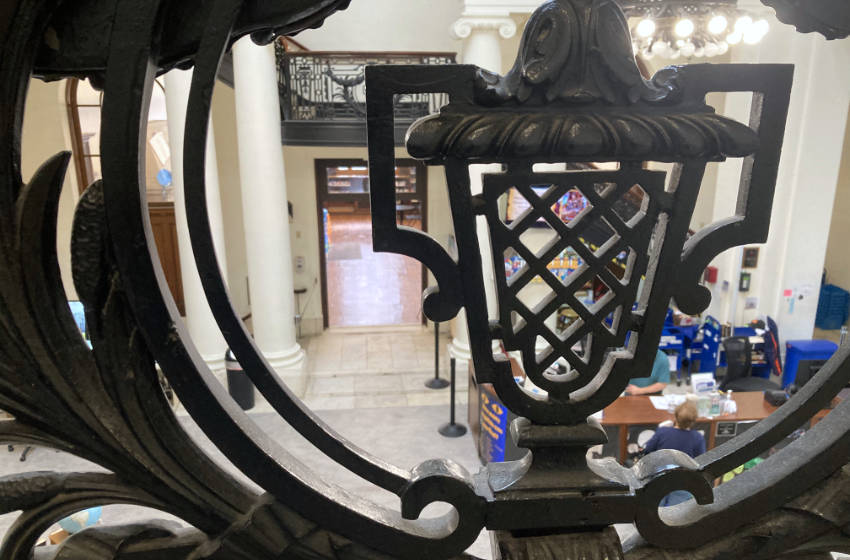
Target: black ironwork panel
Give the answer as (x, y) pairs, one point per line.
(574, 97)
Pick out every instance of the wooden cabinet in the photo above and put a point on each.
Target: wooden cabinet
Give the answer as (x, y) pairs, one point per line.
(164, 228)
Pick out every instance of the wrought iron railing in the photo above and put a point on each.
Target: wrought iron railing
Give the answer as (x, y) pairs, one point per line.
(331, 86)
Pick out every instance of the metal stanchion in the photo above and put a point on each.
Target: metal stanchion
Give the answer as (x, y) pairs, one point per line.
(452, 429)
(437, 382)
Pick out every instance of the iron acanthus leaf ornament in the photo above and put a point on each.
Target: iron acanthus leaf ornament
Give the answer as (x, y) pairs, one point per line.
(575, 52)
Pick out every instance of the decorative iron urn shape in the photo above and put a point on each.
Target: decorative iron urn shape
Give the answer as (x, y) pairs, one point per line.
(575, 95)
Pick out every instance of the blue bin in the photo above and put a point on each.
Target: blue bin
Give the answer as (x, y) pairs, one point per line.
(799, 350)
(833, 307)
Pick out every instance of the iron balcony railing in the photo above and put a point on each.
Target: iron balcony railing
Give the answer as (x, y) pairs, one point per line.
(330, 86)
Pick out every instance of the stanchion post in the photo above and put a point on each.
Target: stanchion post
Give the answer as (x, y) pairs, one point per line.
(452, 429)
(437, 382)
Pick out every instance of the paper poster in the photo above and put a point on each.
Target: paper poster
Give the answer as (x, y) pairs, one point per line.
(674, 362)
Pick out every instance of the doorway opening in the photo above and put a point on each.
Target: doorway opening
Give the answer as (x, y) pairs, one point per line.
(361, 288)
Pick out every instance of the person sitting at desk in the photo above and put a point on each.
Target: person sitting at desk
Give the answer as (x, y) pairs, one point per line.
(656, 382)
(681, 438)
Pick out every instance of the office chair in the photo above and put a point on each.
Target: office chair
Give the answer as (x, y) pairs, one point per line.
(739, 369)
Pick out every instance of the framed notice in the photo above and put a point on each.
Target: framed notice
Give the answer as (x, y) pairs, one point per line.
(727, 429)
(751, 257)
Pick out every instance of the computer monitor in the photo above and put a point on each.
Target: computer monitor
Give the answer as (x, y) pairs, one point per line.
(807, 369)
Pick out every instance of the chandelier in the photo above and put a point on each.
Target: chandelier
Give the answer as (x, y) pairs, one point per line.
(676, 28)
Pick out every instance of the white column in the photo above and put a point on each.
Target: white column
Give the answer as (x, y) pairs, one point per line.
(481, 36)
(264, 203)
(199, 319)
(482, 46)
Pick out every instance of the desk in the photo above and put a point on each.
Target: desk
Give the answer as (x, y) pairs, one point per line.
(627, 413)
(624, 420)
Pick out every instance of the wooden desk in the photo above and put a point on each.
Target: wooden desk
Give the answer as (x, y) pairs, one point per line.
(635, 411)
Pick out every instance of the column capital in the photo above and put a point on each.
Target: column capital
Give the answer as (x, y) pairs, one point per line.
(463, 27)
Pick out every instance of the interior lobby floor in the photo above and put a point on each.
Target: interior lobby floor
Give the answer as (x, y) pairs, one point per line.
(377, 369)
(367, 288)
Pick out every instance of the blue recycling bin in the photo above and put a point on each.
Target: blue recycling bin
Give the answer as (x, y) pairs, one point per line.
(797, 351)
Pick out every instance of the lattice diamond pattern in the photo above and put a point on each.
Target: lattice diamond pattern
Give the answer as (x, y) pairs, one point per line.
(611, 224)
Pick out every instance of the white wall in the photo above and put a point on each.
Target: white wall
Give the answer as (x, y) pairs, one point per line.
(793, 257)
(387, 25)
(837, 254)
(45, 133)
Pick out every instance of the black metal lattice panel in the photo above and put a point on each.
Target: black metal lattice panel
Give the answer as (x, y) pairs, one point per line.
(605, 234)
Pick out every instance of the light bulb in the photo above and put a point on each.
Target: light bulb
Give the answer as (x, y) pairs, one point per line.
(722, 48)
(659, 48)
(734, 38)
(711, 49)
(718, 24)
(699, 53)
(647, 54)
(646, 27)
(756, 32)
(743, 23)
(684, 28)
(688, 49)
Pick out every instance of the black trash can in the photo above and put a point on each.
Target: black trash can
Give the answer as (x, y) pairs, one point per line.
(239, 385)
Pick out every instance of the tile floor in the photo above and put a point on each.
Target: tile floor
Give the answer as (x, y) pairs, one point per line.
(367, 288)
(377, 369)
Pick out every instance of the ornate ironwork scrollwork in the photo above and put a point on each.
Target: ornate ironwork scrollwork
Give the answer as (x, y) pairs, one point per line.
(573, 96)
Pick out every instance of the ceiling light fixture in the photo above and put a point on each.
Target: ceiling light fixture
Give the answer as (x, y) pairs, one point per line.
(691, 29)
(684, 27)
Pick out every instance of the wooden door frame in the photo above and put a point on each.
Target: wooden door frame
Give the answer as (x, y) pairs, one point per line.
(321, 166)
